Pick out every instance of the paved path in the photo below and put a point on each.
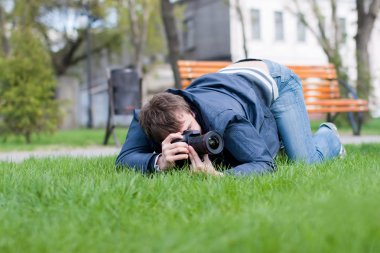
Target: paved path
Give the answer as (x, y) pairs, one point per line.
(350, 139)
(18, 156)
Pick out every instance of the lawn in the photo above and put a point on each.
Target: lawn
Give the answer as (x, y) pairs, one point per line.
(84, 205)
(78, 138)
(75, 138)
(371, 127)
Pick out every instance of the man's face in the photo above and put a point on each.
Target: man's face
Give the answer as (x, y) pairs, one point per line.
(188, 121)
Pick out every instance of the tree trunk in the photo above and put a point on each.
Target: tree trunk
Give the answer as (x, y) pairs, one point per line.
(4, 39)
(171, 38)
(135, 36)
(241, 19)
(366, 21)
(363, 86)
(28, 138)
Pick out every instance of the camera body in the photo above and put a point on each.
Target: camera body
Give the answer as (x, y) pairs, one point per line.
(209, 143)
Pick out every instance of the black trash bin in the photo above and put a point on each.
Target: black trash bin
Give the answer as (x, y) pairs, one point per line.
(125, 94)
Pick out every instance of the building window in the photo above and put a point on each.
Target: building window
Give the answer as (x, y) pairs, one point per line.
(342, 30)
(279, 26)
(256, 26)
(301, 30)
(189, 34)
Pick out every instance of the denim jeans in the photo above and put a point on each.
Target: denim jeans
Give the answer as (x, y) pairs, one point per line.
(293, 123)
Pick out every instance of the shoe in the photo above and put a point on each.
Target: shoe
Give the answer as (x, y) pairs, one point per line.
(332, 126)
(342, 152)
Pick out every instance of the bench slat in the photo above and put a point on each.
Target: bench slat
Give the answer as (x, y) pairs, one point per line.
(319, 97)
(213, 64)
(336, 109)
(339, 102)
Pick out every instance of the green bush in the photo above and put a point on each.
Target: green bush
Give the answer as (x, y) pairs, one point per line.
(27, 84)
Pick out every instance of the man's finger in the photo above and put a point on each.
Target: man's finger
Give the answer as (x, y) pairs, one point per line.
(207, 160)
(196, 160)
(179, 150)
(179, 157)
(172, 137)
(191, 158)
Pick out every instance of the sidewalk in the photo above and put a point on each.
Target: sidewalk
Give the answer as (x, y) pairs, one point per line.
(19, 156)
(351, 139)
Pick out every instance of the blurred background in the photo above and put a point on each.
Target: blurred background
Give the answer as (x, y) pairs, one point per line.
(57, 56)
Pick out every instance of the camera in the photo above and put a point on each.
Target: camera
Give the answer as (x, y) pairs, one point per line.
(209, 143)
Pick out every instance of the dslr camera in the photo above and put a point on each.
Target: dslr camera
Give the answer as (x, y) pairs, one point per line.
(209, 143)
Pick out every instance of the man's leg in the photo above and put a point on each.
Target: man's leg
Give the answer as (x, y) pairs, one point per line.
(293, 123)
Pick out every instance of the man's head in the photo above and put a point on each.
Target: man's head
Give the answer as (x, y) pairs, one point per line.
(167, 113)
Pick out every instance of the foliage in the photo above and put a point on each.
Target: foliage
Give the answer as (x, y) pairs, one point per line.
(139, 21)
(116, 25)
(62, 27)
(27, 83)
(84, 205)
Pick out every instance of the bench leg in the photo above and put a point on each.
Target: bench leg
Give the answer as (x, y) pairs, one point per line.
(329, 117)
(356, 122)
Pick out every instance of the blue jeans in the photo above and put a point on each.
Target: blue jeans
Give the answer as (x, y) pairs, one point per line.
(293, 123)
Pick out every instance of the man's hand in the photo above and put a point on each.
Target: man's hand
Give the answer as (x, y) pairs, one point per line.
(172, 152)
(205, 166)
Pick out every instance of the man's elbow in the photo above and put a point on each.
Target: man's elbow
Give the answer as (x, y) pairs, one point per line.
(119, 161)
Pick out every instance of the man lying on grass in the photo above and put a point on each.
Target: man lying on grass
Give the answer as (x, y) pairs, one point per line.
(252, 104)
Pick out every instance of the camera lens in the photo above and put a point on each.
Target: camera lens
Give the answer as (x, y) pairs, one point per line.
(213, 142)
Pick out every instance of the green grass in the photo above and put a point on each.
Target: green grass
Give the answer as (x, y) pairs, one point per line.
(84, 205)
(91, 137)
(63, 139)
(371, 127)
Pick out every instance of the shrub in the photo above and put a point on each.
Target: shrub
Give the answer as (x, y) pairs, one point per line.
(27, 85)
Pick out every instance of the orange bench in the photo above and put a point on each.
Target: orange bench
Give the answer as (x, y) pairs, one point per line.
(320, 88)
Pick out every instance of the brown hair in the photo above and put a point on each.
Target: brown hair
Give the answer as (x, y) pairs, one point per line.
(159, 116)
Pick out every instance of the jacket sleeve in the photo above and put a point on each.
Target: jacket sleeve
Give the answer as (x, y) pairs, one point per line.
(244, 143)
(137, 152)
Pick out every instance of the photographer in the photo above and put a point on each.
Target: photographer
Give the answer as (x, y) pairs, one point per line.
(251, 104)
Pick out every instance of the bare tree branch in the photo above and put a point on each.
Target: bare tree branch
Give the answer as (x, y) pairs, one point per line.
(335, 23)
(241, 18)
(374, 8)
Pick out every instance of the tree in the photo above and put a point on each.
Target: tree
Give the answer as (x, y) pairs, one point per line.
(67, 47)
(367, 12)
(171, 38)
(239, 12)
(27, 104)
(63, 40)
(330, 42)
(135, 17)
(240, 16)
(4, 40)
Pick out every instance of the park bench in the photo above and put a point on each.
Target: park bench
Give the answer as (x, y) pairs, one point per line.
(320, 88)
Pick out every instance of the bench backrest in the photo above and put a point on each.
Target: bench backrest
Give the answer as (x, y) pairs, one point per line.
(319, 82)
(190, 70)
